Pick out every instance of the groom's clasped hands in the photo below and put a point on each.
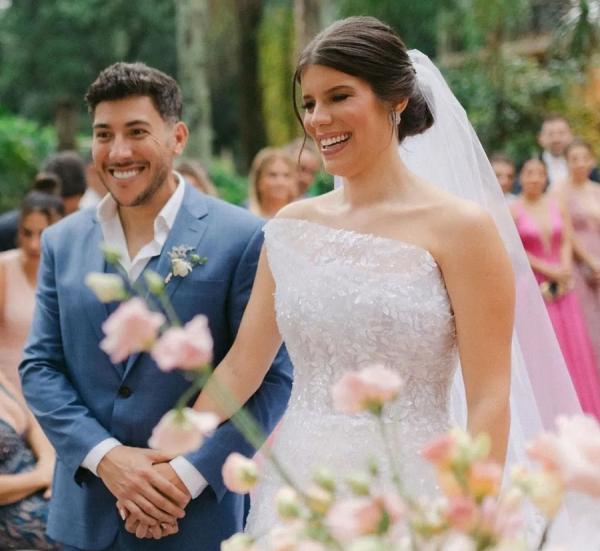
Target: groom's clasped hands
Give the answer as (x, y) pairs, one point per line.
(151, 498)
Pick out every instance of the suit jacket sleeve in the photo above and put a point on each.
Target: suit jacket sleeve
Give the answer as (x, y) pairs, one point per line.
(270, 400)
(66, 420)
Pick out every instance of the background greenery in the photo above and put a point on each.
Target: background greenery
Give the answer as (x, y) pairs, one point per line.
(242, 61)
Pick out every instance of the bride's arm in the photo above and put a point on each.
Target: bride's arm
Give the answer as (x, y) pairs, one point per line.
(480, 283)
(242, 370)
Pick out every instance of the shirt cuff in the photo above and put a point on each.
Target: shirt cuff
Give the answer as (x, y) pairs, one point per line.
(95, 455)
(189, 475)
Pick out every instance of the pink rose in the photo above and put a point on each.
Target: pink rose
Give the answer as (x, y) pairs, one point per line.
(180, 432)
(130, 328)
(353, 517)
(484, 479)
(573, 453)
(240, 474)
(188, 347)
(462, 513)
(441, 450)
(367, 389)
(394, 506)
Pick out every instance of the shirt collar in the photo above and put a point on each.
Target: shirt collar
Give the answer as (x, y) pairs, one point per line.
(107, 208)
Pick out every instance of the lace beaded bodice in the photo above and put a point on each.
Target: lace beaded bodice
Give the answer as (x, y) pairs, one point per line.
(345, 300)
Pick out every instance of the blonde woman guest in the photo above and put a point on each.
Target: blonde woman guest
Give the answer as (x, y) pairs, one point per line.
(272, 182)
(18, 279)
(582, 198)
(196, 174)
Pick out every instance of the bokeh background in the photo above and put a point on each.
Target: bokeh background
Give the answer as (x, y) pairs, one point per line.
(510, 62)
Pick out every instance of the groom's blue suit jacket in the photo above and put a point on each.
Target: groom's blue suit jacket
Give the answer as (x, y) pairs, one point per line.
(80, 397)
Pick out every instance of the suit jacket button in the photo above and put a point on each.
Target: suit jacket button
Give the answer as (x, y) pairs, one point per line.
(125, 392)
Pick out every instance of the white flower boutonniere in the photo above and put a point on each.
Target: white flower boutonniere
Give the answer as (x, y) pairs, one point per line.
(183, 261)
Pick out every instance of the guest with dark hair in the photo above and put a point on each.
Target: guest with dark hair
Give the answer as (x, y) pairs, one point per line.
(26, 466)
(196, 174)
(70, 168)
(504, 168)
(44, 182)
(18, 279)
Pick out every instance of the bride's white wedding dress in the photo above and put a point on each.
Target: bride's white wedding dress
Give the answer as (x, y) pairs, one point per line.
(345, 300)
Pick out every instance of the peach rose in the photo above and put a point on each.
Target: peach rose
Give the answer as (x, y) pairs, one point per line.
(573, 452)
(484, 479)
(180, 432)
(189, 347)
(353, 517)
(367, 389)
(130, 328)
(240, 474)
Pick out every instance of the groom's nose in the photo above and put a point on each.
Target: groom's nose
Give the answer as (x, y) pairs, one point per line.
(120, 149)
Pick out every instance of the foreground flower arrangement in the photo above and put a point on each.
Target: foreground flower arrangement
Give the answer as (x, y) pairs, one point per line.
(361, 513)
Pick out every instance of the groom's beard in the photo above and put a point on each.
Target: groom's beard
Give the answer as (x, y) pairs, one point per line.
(145, 196)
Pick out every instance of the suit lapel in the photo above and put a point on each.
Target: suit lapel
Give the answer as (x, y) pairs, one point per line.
(93, 261)
(188, 230)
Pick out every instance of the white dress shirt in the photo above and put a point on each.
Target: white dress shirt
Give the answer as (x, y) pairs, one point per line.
(112, 232)
(556, 167)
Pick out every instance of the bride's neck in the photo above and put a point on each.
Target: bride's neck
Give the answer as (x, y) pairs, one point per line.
(379, 182)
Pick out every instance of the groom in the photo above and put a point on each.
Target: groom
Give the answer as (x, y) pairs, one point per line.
(99, 415)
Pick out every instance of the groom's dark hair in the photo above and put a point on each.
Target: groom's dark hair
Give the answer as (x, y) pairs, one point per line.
(123, 80)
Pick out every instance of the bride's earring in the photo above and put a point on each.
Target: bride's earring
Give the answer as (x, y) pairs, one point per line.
(396, 117)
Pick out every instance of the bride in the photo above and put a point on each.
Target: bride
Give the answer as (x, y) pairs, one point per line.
(413, 263)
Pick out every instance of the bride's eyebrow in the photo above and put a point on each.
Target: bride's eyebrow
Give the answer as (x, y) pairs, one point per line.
(333, 90)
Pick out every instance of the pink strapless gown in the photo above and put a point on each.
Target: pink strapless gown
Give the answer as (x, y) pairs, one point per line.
(565, 312)
(587, 228)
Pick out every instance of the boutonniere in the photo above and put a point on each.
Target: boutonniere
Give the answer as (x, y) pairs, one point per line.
(183, 261)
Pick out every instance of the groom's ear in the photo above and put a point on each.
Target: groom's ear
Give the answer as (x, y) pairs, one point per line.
(180, 137)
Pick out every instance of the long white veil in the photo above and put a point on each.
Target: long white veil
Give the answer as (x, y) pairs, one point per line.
(450, 155)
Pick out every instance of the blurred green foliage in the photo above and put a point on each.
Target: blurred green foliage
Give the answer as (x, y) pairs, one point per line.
(231, 186)
(23, 145)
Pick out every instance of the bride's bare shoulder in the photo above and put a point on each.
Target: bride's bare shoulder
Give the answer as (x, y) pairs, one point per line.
(309, 208)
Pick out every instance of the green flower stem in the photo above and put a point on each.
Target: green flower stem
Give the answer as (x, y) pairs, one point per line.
(169, 310)
(544, 537)
(391, 459)
(247, 425)
(196, 386)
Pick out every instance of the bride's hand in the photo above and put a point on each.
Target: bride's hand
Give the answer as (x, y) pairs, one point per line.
(144, 531)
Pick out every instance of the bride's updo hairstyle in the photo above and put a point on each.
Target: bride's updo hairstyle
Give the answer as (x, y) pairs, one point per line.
(366, 48)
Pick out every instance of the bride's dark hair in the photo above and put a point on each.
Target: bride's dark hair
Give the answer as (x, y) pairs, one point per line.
(368, 49)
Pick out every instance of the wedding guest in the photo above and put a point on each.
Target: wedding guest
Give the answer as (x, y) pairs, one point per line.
(272, 182)
(196, 174)
(545, 230)
(26, 465)
(95, 190)
(504, 168)
(554, 137)
(45, 182)
(308, 163)
(18, 279)
(582, 198)
(70, 168)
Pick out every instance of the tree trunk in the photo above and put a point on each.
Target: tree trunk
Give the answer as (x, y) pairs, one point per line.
(192, 55)
(251, 127)
(307, 22)
(65, 123)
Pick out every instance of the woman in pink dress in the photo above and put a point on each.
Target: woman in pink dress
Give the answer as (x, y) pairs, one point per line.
(582, 198)
(544, 227)
(18, 279)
